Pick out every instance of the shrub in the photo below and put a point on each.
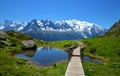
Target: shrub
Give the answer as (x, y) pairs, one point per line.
(119, 52)
(92, 50)
(67, 45)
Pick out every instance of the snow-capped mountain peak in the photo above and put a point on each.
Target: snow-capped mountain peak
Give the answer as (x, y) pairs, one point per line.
(47, 29)
(78, 25)
(11, 25)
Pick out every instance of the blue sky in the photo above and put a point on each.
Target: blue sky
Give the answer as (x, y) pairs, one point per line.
(102, 12)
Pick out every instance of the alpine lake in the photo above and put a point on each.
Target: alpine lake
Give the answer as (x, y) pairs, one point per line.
(46, 56)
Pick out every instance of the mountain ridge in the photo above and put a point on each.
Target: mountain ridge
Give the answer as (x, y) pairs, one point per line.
(59, 30)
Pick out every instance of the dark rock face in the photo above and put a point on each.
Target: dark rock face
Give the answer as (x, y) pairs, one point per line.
(29, 45)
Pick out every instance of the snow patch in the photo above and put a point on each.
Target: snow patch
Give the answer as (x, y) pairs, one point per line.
(20, 28)
(1, 27)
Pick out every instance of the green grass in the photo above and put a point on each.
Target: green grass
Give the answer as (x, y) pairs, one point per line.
(107, 50)
(93, 69)
(114, 31)
(18, 35)
(11, 66)
(65, 44)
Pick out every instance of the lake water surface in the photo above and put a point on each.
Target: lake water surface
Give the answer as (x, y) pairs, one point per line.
(44, 56)
(93, 60)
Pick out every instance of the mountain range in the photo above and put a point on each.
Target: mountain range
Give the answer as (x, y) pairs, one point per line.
(59, 30)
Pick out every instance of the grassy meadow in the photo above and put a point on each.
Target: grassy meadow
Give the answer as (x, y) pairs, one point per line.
(105, 49)
(63, 44)
(11, 66)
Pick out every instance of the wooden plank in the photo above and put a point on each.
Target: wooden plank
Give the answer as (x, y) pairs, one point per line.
(75, 66)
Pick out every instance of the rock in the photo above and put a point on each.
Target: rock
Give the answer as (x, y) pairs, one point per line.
(28, 44)
(3, 35)
(4, 43)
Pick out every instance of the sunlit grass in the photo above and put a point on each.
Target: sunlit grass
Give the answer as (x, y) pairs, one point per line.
(107, 49)
(63, 44)
(10, 66)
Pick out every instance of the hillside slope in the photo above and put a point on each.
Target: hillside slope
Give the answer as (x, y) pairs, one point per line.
(105, 48)
(12, 39)
(108, 51)
(114, 31)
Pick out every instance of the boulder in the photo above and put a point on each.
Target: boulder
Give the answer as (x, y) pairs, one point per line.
(4, 43)
(3, 35)
(29, 44)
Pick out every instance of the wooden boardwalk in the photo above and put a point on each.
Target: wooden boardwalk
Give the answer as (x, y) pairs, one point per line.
(75, 65)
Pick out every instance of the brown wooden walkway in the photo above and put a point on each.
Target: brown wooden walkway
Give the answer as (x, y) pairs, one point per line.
(75, 65)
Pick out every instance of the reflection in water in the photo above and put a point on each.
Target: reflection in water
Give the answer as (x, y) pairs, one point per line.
(29, 53)
(44, 56)
(86, 58)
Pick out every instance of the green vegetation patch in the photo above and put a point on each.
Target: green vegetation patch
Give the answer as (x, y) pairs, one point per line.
(105, 49)
(114, 31)
(93, 69)
(63, 44)
(11, 66)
